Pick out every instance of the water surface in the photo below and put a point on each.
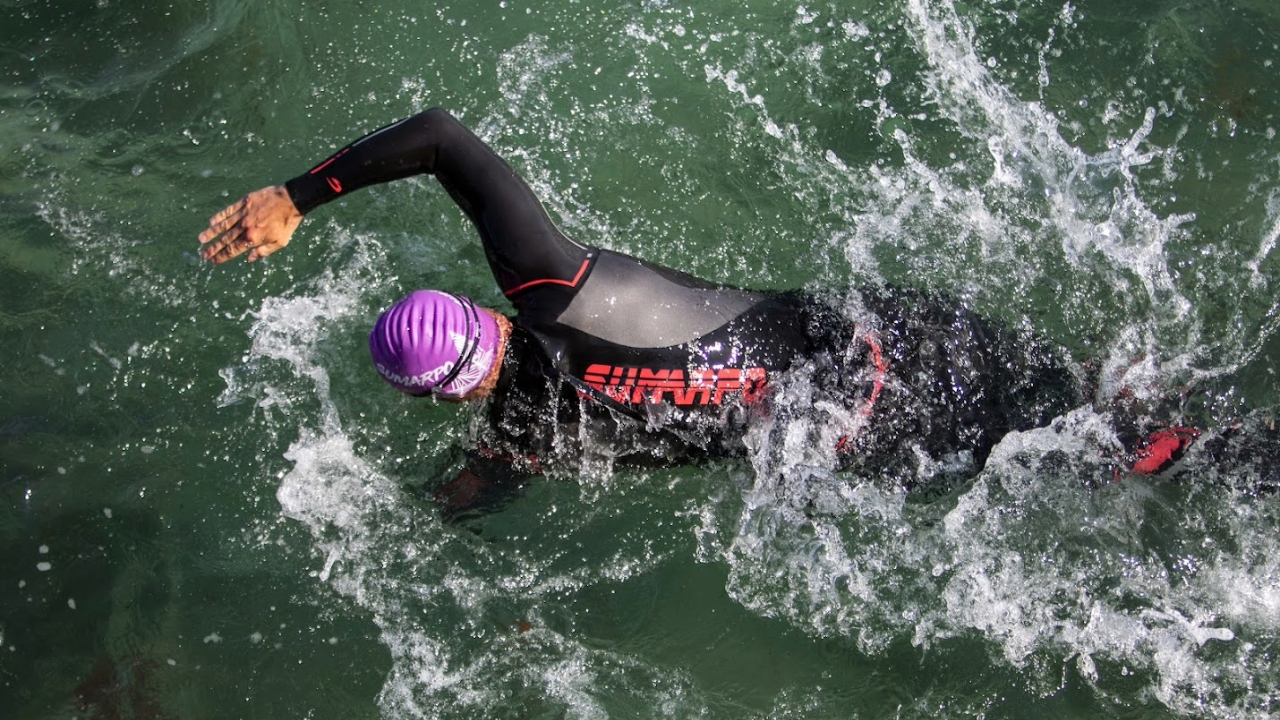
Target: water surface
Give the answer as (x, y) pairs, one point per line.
(212, 508)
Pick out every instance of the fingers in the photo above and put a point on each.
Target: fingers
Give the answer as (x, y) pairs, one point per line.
(227, 248)
(232, 209)
(223, 221)
(228, 233)
(258, 241)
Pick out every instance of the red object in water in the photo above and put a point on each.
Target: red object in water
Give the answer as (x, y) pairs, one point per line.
(1163, 449)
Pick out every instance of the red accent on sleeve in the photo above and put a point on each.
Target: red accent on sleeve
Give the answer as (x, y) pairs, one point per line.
(325, 164)
(553, 281)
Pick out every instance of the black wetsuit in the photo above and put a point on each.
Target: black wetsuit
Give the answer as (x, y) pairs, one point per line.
(634, 362)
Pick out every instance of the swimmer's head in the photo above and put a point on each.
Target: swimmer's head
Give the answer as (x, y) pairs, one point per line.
(434, 342)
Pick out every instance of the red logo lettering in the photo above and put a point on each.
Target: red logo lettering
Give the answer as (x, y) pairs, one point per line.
(597, 376)
(636, 385)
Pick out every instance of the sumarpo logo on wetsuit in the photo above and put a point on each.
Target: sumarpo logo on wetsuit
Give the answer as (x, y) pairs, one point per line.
(636, 385)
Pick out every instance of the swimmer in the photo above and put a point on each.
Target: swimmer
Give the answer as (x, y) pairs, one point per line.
(621, 358)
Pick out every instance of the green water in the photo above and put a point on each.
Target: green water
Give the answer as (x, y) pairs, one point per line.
(213, 508)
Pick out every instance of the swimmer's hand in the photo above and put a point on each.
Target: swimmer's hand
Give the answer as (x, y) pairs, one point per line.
(262, 222)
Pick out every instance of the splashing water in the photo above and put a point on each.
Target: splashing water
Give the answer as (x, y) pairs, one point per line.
(1104, 177)
(1057, 579)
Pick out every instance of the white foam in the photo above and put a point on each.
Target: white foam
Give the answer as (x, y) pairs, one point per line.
(1039, 566)
(1267, 244)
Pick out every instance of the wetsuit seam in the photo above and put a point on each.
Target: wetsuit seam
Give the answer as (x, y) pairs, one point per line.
(577, 279)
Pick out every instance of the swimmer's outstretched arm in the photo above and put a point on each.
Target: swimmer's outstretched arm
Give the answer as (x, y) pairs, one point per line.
(521, 242)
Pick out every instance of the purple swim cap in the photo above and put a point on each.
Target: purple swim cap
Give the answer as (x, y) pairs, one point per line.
(434, 341)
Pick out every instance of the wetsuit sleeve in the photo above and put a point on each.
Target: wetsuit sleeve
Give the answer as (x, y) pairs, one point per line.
(523, 245)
